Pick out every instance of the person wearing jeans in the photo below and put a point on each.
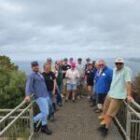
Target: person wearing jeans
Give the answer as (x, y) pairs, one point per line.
(35, 85)
(50, 81)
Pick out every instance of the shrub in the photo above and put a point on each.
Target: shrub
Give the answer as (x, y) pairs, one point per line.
(136, 88)
(12, 83)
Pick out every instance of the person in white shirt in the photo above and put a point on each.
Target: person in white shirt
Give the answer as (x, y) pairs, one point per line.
(80, 68)
(72, 76)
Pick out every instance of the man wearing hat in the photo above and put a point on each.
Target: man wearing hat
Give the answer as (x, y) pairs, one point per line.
(36, 85)
(120, 90)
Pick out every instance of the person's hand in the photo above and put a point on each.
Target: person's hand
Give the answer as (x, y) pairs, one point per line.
(27, 99)
(53, 92)
(68, 78)
(130, 98)
(77, 77)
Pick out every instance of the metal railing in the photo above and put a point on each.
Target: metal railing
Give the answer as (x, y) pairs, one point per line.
(128, 120)
(17, 124)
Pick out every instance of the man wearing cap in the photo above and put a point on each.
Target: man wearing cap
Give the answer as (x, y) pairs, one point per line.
(72, 75)
(36, 85)
(120, 90)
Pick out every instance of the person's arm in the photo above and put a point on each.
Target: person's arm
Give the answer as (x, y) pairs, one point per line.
(77, 75)
(129, 91)
(29, 88)
(67, 74)
(128, 75)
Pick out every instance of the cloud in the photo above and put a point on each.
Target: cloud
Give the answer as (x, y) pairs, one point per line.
(96, 28)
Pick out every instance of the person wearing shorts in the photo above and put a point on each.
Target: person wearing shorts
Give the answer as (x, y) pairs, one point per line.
(120, 90)
(89, 77)
(72, 76)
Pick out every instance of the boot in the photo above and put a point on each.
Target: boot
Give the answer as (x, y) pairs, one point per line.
(104, 132)
(101, 128)
(46, 130)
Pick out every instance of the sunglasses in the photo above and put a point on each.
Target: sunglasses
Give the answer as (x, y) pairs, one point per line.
(118, 63)
(101, 64)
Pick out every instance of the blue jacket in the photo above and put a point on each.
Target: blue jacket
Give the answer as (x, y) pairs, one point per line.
(36, 85)
(103, 81)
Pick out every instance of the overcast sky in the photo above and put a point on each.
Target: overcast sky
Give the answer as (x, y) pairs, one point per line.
(37, 29)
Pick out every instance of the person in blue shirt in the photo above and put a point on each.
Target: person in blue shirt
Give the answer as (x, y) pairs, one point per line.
(36, 85)
(103, 80)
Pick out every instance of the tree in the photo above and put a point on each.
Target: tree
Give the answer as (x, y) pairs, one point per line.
(136, 88)
(12, 83)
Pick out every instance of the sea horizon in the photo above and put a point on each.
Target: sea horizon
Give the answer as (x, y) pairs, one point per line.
(133, 63)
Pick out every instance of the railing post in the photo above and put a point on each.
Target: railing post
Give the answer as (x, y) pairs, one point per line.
(31, 122)
(128, 124)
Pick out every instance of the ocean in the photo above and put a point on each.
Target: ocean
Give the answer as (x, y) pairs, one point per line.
(134, 64)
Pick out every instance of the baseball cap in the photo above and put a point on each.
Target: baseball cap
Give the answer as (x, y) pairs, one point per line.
(79, 59)
(119, 60)
(34, 63)
(73, 65)
(65, 59)
(88, 59)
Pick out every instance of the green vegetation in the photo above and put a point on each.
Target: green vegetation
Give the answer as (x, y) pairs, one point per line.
(12, 83)
(136, 88)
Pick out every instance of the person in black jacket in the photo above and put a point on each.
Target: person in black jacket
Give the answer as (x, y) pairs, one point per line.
(50, 81)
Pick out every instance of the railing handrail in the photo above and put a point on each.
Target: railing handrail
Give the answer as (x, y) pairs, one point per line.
(9, 110)
(16, 118)
(136, 104)
(14, 110)
(132, 109)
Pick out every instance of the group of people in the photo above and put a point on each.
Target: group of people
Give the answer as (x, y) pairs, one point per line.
(65, 79)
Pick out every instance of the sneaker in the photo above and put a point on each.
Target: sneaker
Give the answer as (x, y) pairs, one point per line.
(66, 100)
(88, 97)
(73, 100)
(46, 130)
(52, 119)
(98, 111)
(78, 97)
(101, 128)
(60, 104)
(104, 132)
(62, 96)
